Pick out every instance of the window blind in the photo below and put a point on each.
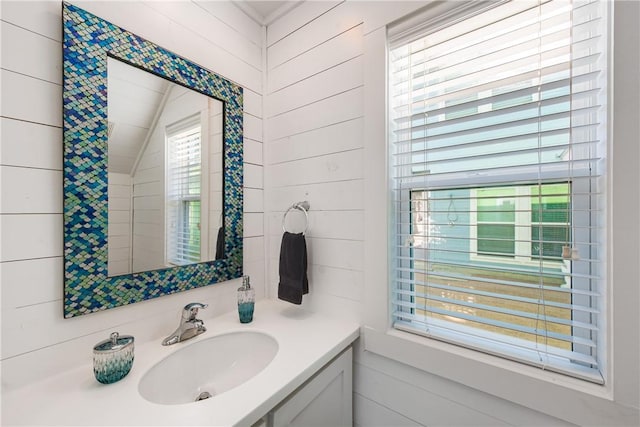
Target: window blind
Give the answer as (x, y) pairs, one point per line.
(497, 148)
(183, 207)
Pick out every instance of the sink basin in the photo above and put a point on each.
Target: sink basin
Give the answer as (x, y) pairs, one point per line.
(207, 368)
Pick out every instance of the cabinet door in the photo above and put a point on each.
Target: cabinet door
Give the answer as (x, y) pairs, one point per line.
(262, 422)
(324, 400)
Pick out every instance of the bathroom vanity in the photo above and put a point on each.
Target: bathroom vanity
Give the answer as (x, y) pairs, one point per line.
(323, 400)
(307, 382)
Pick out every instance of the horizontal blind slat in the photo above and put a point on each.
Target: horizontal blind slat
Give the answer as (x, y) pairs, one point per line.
(532, 330)
(509, 283)
(500, 297)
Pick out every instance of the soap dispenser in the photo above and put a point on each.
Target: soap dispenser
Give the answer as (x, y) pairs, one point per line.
(246, 301)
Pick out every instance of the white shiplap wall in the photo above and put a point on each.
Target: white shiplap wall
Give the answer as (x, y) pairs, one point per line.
(314, 118)
(148, 242)
(119, 188)
(313, 112)
(216, 35)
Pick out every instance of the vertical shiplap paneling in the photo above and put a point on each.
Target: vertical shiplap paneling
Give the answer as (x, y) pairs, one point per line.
(215, 35)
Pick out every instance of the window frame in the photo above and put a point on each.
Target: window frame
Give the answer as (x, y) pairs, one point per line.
(557, 395)
(401, 279)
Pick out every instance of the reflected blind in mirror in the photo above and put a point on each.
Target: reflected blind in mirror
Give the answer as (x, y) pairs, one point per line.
(184, 183)
(497, 139)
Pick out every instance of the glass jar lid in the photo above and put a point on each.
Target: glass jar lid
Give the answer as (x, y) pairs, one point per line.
(114, 343)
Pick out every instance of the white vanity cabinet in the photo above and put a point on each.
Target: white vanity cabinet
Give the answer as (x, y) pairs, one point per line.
(308, 382)
(323, 400)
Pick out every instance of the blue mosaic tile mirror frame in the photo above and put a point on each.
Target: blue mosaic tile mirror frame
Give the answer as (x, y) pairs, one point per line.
(87, 41)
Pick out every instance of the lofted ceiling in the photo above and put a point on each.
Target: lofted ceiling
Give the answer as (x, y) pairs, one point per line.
(134, 98)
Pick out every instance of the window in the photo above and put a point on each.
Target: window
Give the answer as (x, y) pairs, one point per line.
(183, 203)
(497, 146)
(520, 222)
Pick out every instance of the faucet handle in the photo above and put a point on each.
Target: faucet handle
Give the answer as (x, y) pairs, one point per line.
(190, 310)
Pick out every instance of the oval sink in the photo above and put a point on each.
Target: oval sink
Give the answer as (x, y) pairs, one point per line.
(208, 368)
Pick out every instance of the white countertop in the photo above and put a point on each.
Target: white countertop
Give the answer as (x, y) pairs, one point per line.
(306, 342)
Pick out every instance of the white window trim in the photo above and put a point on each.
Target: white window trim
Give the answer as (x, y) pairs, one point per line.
(557, 395)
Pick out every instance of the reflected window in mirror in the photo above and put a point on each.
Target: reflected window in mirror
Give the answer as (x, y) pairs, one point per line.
(165, 172)
(184, 196)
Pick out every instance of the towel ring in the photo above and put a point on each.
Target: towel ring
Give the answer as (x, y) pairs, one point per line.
(301, 206)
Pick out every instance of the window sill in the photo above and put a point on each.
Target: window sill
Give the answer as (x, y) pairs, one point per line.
(557, 395)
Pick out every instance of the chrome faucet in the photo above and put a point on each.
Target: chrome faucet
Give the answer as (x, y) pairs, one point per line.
(189, 326)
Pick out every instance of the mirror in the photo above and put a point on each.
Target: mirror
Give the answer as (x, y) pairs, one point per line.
(164, 172)
(92, 282)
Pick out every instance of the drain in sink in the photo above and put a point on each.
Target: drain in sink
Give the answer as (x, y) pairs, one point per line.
(202, 396)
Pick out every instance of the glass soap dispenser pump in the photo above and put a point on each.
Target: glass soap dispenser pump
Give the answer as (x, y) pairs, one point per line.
(246, 300)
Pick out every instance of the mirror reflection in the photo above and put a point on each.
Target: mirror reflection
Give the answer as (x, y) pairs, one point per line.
(165, 173)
